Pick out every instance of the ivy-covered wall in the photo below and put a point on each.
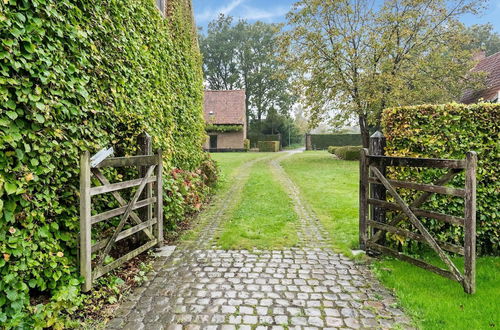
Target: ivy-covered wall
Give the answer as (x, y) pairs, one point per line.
(81, 75)
(450, 131)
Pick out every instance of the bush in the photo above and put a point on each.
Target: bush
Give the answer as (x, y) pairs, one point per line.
(75, 76)
(449, 131)
(268, 146)
(348, 153)
(246, 144)
(331, 149)
(323, 141)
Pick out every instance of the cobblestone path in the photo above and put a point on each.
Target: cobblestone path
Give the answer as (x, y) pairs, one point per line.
(306, 287)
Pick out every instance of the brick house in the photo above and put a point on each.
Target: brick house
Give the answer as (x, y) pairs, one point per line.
(225, 117)
(491, 66)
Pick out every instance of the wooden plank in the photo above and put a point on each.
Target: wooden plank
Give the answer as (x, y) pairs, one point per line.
(129, 161)
(144, 143)
(85, 226)
(118, 262)
(120, 210)
(125, 215)
(118, 186)
(417, 237)
(124, 234)
(413, 261)
(377, 144)
(453, 220)
(415, 162)
(363, 198)
(423, 187)
(100, 156)
(424, 197)
(421, 228)
(470, 223)
(97, 173)
(159, 195)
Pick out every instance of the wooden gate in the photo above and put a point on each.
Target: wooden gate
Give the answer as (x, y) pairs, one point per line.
(149, 222)
(372, 224)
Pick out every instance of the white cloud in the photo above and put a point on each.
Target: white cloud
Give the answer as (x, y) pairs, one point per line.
(252, 13)
(212, 13)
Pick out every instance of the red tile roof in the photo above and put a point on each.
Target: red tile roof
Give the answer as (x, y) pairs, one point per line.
(227, 107)
(490, 65)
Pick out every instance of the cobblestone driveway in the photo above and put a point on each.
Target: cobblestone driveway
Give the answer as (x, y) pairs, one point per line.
(311, 287)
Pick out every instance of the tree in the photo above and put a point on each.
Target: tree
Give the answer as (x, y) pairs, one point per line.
(483, 38)
(245, 56)
(360, 59)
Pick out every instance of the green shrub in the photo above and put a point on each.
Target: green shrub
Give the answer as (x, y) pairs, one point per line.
(246, 144)
(348, 152)
(268, 146)
(323, 141)
(75, 76)
(331, 149)
(449, 131)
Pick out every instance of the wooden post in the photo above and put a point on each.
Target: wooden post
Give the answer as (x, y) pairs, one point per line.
(85, 224)
(363, 198)
(377, 191)
(470, 223)
(159, 202)
(145, 148)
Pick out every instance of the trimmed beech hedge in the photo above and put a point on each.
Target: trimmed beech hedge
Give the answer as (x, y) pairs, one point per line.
(268, 146)
(348, 152)
(74, 76)
(323, 141)
(449, 131)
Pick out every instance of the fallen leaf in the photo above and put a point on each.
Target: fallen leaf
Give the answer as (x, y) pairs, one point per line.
(6, 256)
(12, 230)
(29, 177)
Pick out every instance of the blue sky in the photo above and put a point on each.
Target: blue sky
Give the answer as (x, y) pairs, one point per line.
(272, 11)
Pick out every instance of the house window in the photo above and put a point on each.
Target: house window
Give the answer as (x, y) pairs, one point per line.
(161, 4)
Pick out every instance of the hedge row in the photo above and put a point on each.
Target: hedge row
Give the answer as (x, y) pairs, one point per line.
(323, 141)
(255, 138)
(347, 152)
(268, 146)
(449, 131)
(74, 76)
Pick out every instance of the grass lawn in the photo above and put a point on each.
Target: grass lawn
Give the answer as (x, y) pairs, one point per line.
(330, 186)
(230, 161)
(438, 303)
(264, 218)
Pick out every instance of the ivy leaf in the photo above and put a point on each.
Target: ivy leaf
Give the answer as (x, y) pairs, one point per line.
(39, 118)
(10, 188)
(11, 114)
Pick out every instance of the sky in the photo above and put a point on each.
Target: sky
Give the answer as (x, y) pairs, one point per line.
(274, 11)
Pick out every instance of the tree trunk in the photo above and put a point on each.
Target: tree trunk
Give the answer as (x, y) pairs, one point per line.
(365, 134)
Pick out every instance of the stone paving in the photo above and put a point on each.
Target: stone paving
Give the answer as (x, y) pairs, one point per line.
(308, 287)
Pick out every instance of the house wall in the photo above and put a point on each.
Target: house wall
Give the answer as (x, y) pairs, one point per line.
(229, 140)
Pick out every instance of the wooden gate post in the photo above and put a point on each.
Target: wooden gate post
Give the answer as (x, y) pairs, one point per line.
(470, 223)
(159, 200)
(363, 198)
(144, 147)
(85, 215)
(377, 191)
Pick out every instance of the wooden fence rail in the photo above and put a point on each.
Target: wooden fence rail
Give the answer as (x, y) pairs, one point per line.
(372, 221)
(146, 221)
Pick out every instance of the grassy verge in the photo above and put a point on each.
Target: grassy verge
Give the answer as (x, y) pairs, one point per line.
(264, 218)
(228, 163)
(330, 186)
(438, 303)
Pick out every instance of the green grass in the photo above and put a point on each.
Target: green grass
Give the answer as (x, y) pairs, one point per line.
(330, 186)
(439, 303)
(230, 161)
(264, 218)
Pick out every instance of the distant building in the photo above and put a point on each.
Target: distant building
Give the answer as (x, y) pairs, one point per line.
(491, 66)
(225, 117)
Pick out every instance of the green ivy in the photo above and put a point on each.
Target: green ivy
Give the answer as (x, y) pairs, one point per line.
(74, 76)
(450, 131)
(223, 128)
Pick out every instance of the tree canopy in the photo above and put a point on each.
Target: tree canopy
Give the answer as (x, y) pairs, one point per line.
(357, 57)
